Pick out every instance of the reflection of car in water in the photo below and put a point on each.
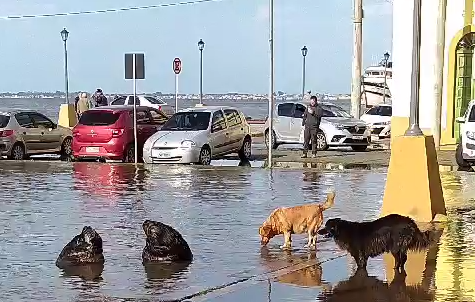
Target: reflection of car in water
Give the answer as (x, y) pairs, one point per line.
(108, 132)
(197, 135)
(107, 180)
(338, 128)
(24, 133)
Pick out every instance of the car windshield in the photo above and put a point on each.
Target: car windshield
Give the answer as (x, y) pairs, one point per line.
(334, 111)
(188, 121)
(471, 117)
(98, 118)
(4, 119)
(154, 100)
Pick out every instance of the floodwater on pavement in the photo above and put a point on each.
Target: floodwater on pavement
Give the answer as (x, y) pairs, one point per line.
(218, 211)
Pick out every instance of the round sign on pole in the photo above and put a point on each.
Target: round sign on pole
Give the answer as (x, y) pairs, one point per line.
(177, 65)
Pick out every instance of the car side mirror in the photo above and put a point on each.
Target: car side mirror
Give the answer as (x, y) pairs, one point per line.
(460, 120)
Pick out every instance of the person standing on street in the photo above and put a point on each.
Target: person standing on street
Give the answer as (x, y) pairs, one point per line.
(99, 98)
(311, 121)
(82, 104)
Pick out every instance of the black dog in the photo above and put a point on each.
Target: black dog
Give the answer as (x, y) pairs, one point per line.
(164, 243)
(393, 234)
(84, 249)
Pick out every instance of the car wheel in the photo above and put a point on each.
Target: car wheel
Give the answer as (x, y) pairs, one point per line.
(67, 149)
(461, 162)
(266, 140)
(18, 152)
(245, 151)
(205, 156)
(321, 141)
(359, 148)
(129, 154)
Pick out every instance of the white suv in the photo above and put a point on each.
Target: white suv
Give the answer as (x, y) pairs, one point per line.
(379, 119)
(465, 152)
(338, 128)
(144, 100)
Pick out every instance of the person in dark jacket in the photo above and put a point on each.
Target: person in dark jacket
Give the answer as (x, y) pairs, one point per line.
(311, 121)
(99, 98)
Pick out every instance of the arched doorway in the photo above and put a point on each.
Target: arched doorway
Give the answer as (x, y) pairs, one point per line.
(463, 79)
(459, 82)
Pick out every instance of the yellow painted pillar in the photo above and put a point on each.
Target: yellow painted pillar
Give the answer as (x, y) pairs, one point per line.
(67, 116)
(413, 186)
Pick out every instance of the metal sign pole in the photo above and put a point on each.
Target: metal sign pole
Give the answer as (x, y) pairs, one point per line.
(271, 83)
(176, 92)
(135, 106)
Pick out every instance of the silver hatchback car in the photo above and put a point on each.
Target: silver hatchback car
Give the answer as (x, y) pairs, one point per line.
(199, 134)
(24, 133)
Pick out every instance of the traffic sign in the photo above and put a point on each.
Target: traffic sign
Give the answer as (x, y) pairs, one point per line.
(177, 65)
(139, 66)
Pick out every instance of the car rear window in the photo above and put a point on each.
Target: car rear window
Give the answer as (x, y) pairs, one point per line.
(99, 118)
(4, 119)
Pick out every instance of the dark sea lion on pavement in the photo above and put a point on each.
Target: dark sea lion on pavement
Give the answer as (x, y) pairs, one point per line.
(83, 249)
(164, 243)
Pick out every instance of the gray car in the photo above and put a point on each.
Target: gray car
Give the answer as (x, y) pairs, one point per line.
(24, 133)
(338, 128)
(199, 134)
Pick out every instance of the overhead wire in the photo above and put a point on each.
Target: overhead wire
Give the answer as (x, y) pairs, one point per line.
(110, 10)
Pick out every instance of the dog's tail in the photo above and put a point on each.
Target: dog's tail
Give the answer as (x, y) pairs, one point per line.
(422, 240)
(330, 201)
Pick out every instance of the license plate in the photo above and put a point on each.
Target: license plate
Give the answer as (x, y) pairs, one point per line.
(160, 154)
(358, 137)
(92, 149)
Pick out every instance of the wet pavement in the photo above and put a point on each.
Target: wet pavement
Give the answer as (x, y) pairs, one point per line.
(218, 211)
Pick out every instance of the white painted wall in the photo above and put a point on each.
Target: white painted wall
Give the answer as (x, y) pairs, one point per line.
(402, 56)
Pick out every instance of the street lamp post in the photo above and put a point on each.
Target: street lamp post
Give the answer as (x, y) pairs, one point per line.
(64, 36)
(386, 58)
(304, 54)
(201, 46)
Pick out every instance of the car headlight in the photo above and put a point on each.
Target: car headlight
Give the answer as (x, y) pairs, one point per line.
(188, 144)
(470, 134)
(148, 145)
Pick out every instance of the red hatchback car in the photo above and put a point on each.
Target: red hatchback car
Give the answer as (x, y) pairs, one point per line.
(108, 132)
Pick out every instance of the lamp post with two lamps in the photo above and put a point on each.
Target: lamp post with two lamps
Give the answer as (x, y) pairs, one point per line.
(64, 36)
(201, 46)
(304, 54)
(386, 58)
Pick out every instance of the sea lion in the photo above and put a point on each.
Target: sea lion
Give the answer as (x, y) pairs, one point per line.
(164, 243)
(83, 249)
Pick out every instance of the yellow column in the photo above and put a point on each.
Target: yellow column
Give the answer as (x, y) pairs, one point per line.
(67, 116)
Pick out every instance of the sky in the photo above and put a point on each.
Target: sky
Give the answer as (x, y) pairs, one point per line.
(235, 32)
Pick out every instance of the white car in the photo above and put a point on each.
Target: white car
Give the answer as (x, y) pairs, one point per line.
(465, 152)
(338, 128)
(378, 118)
(144, 100)
(199, 134)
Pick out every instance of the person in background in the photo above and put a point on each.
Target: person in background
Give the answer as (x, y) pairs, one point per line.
(99, 98)
(307, 96)
(311, 121)
(82, 104)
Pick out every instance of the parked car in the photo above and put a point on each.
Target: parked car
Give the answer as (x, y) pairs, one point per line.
(24, 133)
(108, 132)
(465, 152)
(144, 100)
(199, 134)
(378, 118)
(338, 128)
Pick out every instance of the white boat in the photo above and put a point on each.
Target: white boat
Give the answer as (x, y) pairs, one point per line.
(373, 86)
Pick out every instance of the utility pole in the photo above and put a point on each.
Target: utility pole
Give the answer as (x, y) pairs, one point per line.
(439, 70)
(357, 58)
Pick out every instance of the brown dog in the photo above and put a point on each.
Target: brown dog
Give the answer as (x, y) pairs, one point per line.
(296, 220)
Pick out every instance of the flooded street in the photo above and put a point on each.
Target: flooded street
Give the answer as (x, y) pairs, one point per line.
(218, 211)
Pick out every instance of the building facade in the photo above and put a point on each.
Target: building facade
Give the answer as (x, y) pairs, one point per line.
(458, 84)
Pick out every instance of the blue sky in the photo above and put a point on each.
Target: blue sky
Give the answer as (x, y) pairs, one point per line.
(235, 55)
